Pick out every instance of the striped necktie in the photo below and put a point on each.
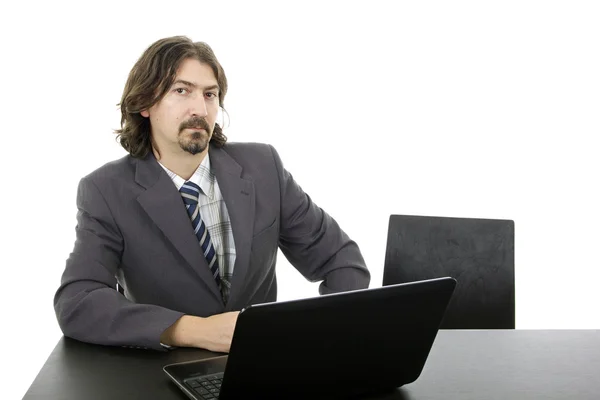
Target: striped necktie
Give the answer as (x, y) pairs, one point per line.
(190, 193)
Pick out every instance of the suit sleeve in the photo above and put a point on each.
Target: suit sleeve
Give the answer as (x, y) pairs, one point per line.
(87, 305)
(314, 243)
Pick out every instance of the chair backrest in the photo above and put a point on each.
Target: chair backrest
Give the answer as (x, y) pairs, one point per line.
(478, 253)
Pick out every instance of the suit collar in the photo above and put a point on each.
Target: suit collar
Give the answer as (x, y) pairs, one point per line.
(147, 171)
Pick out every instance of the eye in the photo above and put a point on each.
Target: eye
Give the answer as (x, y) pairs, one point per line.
(181, 90)
(211, 95)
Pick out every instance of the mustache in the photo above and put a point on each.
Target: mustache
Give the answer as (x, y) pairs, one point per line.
(194, 123)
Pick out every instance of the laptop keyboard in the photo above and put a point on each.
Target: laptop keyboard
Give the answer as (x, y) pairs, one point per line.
(206, 387)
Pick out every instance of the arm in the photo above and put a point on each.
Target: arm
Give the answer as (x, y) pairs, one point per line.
(87, 305)
(314, 243)
(89, 308)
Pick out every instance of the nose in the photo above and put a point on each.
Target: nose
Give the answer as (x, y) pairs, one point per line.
(198, 108)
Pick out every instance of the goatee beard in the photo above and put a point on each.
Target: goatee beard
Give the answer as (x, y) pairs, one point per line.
(195, 146)
(198, 141)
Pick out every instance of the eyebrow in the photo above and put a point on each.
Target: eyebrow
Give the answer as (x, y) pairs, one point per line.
(193, 85)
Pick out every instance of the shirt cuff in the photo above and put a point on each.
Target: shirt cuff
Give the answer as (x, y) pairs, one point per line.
(166, 346)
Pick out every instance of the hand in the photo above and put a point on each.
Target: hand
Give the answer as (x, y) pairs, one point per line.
(213, 333)
(216, 331)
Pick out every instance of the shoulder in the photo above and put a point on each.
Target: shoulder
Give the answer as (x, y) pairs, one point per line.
(122, 169)
(255, 161)
(248, 149)
(252, 154)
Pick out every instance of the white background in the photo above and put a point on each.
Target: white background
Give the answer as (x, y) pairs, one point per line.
(469, 109)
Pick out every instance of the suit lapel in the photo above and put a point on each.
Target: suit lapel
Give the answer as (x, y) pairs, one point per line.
(162, 202)
(238, 194)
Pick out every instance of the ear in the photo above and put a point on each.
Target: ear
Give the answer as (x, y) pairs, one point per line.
(145, 113)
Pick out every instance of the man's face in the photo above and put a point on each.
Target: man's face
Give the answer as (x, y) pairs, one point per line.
(185, 117)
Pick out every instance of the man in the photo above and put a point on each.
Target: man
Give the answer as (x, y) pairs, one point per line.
(176, 237)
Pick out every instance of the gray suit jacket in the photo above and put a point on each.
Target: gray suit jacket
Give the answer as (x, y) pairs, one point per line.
(132, 228)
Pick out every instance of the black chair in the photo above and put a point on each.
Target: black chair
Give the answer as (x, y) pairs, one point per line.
(478, 253)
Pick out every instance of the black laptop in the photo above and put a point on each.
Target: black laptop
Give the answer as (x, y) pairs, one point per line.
(332, 346)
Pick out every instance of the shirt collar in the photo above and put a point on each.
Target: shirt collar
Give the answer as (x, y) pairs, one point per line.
(203, 177)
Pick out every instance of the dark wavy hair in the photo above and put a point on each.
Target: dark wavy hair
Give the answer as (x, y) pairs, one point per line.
(150, 79)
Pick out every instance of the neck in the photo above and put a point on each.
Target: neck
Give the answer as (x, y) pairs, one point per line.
(183, 163)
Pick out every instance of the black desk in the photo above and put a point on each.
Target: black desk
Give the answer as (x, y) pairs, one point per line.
(512, 364)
